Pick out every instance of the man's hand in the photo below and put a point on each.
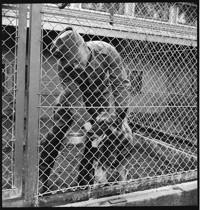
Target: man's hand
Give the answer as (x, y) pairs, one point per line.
(106, 117)
(116, 119)
(87, 126)
(120, 117)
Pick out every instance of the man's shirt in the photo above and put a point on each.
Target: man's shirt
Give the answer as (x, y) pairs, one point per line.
(103, 75)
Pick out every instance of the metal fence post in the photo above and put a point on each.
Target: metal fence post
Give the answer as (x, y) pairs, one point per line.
(34, 75)
(20, 93)
(111, 11)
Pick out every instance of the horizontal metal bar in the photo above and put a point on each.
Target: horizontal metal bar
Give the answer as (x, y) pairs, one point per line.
(77, 107)
(46, 107)
(167, 146)
(10, 193)
(175, 35)
(141, 94)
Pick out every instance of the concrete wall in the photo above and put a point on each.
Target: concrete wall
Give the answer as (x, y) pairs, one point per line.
(184, 194)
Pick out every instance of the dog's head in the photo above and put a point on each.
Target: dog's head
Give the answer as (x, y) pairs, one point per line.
(112, 143)
(70, 46)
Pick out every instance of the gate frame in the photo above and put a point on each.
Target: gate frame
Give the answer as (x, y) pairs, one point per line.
(33, 99)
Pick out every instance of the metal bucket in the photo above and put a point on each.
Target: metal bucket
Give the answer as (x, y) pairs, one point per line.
(75, 138)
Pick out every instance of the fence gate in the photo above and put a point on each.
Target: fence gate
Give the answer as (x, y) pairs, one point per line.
(158, 47)
(162, 109)
(13, 89)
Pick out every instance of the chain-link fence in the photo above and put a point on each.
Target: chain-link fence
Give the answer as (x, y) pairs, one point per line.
(9, 60)
(162, 106)
(158, 56)
(13, 64)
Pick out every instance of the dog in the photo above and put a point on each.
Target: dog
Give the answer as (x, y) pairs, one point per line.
(112, 150)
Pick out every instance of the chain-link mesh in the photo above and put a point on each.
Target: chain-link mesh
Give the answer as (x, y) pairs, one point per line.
(186, 13)
(162, 105)
(162, 108)
(9, 59)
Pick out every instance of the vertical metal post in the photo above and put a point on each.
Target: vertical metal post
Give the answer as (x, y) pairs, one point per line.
(173, 14)
(20, 96)
(34, 76)
(133, 10)
(111, 11)
(129, 9)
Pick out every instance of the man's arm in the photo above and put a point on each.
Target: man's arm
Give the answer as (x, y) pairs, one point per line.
(120, 89)
(119, 82)
(72, 98)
